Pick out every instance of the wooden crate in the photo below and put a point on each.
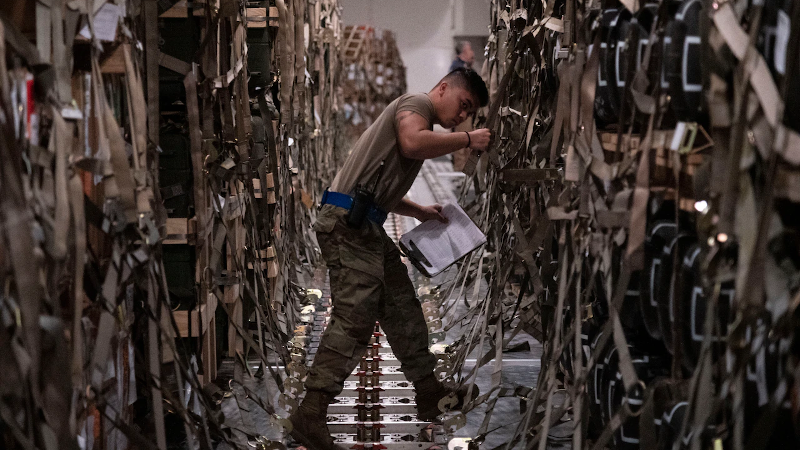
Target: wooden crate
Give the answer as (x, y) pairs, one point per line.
(355, 39)
(199, 317)
(662, 161)
(181, 231)
(262, 17)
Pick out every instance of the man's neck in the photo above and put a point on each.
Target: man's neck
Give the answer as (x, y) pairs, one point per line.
(435, 114)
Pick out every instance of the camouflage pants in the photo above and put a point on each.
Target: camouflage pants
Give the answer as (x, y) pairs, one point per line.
(368, 283)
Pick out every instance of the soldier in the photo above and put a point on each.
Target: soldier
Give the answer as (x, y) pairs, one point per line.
(367, 278)
(465, 57)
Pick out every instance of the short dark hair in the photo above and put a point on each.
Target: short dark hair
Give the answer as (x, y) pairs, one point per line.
(470, 80)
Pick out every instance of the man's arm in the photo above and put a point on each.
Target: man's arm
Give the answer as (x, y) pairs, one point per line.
(422, 213)
(418, 142)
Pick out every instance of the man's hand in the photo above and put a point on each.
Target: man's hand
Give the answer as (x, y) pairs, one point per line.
(422, 213)
(480, 139)
(433, 212)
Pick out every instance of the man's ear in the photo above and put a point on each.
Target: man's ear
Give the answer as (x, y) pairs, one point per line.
(443, 87)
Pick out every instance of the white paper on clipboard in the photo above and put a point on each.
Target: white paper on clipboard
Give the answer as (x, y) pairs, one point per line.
(433, 246)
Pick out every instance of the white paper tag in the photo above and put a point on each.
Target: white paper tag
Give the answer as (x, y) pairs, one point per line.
(105, 23)
(677, 137)
(781, 41)
(70, 113)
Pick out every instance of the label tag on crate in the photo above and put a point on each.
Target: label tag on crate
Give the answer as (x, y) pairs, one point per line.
(684, 136)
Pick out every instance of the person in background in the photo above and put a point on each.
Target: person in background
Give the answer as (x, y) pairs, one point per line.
(465, 57)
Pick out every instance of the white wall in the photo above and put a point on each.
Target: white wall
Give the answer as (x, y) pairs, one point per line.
(472, 18)
(424, 30)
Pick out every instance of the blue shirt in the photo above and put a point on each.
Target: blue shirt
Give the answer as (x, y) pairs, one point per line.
(457, 64)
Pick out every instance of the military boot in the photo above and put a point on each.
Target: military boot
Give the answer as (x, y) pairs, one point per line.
(310, 422)
(430, 391)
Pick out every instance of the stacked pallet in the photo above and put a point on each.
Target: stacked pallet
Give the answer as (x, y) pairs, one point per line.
(374, 76)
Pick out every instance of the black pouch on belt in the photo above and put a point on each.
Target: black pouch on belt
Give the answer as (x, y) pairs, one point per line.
(362, 202)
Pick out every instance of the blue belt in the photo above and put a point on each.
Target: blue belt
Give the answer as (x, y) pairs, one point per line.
(375, 214)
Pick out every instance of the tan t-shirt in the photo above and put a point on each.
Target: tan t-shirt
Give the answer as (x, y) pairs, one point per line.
(379, 143)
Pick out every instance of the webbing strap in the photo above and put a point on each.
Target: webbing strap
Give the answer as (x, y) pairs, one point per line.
(564, 280)
(641, 194)
(561, 107)
(44, 32)
(61, 60)
(629, 377)
(577, 354)
(79, 227)
(285, 49)
(701, 381)
(150, 9)
(344, 201)
(138, 115)
(61, 145)
(196, 151)
(122, 183)
(16, 223)
(588, 92)
(154, 365)
(614, 423)
(482, 324)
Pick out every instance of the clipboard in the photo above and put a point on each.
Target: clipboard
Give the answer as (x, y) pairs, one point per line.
(433, 246)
